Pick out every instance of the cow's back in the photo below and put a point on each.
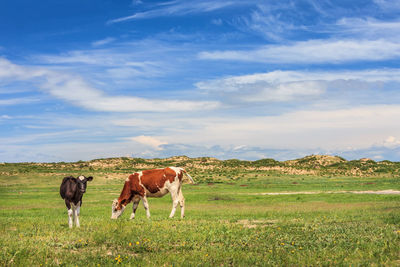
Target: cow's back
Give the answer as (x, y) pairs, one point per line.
(152, 180)
(155, 179)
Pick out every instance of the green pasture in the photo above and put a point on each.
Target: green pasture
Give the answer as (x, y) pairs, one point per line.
(229, 222)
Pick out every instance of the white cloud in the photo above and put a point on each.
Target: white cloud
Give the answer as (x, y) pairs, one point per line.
(278, 76)
(217, 22)
(366, 28)
(12, 71)
(266, 21)
(74, 89)
(334, 129)
(285, 86)
(103, 41)
(313, 51)
(388, 5)
(178, 8)
(145, 123)
(391, 142)
(278, 21)
(281, 136)
(91, 57)
(120, 62)
(263, 90)
(358, 127)
(135, 69)
(149, 141)
(17, 101)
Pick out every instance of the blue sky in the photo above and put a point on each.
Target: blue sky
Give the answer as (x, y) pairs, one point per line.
(229, 79)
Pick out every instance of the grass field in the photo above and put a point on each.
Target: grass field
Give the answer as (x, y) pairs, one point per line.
(229, 223)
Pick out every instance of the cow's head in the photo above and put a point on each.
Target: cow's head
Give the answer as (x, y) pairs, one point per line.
(81, 182)
(117, 209)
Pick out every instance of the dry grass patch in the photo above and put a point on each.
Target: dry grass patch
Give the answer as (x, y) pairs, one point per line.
(256, 223)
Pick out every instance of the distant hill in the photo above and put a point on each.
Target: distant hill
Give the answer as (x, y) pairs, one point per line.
(309, 165)
(316, 161)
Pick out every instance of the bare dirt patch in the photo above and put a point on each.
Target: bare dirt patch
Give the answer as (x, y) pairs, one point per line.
(256, 223)
(380, 192)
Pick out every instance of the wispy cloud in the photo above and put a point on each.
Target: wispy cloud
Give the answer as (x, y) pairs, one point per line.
(283, 20)
(266, 20)
(346, 87)
(217, 22)
(17, 101)
(115, 64)
(75, 90)
(313, 51)
(179, 8)
(363, 127)
(262, 90)
(149, 141)
(9, 70)
(388, 5)
(103, 41)
(90, 57)
(366, 28)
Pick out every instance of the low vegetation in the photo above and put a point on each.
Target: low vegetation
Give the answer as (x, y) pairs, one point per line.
(295, 213)
(310, 165)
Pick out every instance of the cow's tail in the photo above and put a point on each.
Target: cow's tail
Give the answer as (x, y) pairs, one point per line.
(188, 176)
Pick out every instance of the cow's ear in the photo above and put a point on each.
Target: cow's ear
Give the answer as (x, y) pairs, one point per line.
(89, 178)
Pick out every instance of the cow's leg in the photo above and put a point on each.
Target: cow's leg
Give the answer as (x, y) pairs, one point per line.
(181, 202)
(73, 209)
(70, 212)
(175, 202)
(77, 211)
(136, 201)
(146, 206)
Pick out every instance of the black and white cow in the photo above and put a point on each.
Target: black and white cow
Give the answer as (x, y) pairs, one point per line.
(72, 190)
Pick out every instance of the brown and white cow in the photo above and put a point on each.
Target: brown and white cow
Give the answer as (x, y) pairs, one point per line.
(151, 183)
